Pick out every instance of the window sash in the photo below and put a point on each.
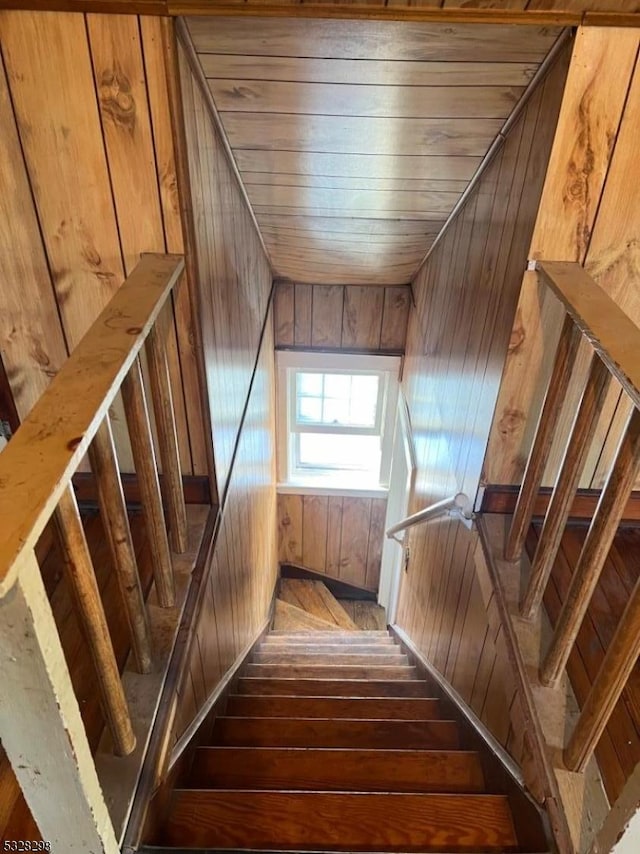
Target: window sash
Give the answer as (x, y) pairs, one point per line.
(320, 426)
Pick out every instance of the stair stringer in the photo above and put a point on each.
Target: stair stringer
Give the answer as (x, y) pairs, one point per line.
(499, 765)
(154, 791)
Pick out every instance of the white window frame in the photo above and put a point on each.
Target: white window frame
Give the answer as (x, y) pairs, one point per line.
(338, 481)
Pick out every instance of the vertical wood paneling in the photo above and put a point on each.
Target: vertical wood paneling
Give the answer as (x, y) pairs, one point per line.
(290, 528)
(235, 278)
(153, 46)
(334, 535)
(349, 317)
(82, 97)
(33, 347)
(362, 317)
(242, 575)
(283, 313)
(314, 527)
(303, 312)
(457, 339)
(325, 318)
(587, 214)
(393, 333)
(338, 536)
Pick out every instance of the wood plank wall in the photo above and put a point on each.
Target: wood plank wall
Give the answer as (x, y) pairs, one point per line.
(244, 561)
(589, 213)
(87, 183)
(234, 273)
(458, 335)
(341, 317)
(236, 286)
(339, 536)
(347, 318)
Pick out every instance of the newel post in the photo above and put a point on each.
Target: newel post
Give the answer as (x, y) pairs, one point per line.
(40, 724)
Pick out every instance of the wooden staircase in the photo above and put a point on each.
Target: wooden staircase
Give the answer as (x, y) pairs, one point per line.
(334, 741)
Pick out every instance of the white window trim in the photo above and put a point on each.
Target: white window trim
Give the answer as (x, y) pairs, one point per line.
(341, 483)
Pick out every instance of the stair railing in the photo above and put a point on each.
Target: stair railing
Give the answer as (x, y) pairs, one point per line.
(591, 315)
(457, 505)
(40, 724)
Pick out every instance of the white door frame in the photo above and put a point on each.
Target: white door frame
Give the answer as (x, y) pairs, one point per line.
(401, 485)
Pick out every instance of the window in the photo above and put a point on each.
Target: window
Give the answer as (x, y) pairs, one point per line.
(335, 420)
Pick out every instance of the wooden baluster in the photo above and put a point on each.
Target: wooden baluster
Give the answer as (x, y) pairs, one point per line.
(82, 580)
(135, 406)
(566, 485)
(166, 423)
(113, 509)
(595, 550)
(619, 661)
(568, 344)
(42, 731)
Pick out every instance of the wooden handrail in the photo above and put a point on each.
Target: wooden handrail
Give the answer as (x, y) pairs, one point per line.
(591, 315)
(39, 461)
(36, 470)
(611, 332)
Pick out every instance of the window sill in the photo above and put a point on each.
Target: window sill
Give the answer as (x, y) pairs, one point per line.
(314, 488)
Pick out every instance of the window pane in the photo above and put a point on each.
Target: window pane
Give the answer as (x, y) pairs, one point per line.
(309, 410)
(337, 385)
(335, 411)
(364, 400)
(339, 451)
(309, 384)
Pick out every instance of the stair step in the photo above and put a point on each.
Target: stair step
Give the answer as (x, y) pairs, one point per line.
(337, 770)
(335, 687)
(315, 598)
(408, 708)
(328, 671)
(291, 618)
(393, 658)
(333, 635)
(305, 648)
(313, 821)
(316, 732)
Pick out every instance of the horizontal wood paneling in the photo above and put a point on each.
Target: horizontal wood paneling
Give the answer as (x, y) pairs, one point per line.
(242, 572)
(458, 336)
(86, 93)
(335, 535)
(369, 111)
(347, 317)
(588, 213)
(235, 278)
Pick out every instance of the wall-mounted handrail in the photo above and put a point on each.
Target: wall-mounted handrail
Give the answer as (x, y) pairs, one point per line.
(40, 724)
(458, 504)
(592, 316)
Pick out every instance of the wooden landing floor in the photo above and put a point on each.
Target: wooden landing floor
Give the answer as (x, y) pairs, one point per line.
(618, 751)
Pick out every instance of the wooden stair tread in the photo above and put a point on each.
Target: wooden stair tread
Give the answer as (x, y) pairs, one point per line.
(315, 598)
(295, 619)
(328, 671)
(332, 635)
(407, 708)
(335, 769)
(376, 648)
(397, 659)
(327, 821)
(345, 732)
(335, 687)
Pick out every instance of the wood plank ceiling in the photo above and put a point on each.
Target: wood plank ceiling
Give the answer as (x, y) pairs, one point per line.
(355, 139)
